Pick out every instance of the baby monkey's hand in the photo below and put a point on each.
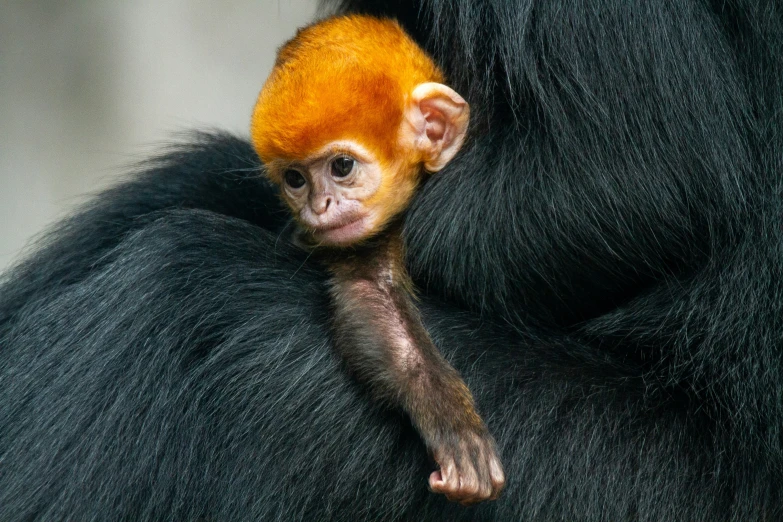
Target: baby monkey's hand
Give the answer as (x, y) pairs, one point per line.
(470, 470)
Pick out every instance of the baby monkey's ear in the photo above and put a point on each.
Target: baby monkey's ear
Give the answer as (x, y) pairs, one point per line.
(437, 120)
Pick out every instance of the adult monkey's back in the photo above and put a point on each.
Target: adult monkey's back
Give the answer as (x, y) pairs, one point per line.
(615, 218)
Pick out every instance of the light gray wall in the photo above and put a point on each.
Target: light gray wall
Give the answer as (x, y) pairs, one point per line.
(88, 87)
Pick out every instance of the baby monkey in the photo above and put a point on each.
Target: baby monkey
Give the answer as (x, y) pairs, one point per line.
(352, 118)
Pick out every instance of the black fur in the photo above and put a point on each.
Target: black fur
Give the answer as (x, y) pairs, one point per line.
(602, 264)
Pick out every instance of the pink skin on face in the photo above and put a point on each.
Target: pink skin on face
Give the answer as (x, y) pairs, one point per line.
(331, 204)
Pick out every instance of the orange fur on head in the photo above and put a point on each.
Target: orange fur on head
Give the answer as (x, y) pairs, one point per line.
(347, 77)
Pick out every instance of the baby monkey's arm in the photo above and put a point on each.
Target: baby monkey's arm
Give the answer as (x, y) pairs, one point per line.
(380, 335)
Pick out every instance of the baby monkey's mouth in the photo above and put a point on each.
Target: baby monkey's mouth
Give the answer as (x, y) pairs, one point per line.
(342, 232)
(339, 224)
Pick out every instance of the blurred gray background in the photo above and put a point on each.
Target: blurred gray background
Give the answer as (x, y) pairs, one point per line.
(88, 88)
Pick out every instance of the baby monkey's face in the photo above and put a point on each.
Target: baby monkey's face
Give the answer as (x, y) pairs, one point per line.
(348, 190)
(342, 194)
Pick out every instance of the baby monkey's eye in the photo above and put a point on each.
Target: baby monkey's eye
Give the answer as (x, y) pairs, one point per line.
(342, 166)
(294, 179)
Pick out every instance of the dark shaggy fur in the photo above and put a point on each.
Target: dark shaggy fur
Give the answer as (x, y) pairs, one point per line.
(603, 264)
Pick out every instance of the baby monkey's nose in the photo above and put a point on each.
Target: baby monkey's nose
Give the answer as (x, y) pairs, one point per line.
(321, 204)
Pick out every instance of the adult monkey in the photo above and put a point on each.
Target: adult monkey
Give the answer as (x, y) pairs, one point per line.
(615, 219)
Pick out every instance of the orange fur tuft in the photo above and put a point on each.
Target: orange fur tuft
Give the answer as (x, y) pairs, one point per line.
(347, 77)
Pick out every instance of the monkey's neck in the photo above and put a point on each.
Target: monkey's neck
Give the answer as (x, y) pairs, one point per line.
(381, 260)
